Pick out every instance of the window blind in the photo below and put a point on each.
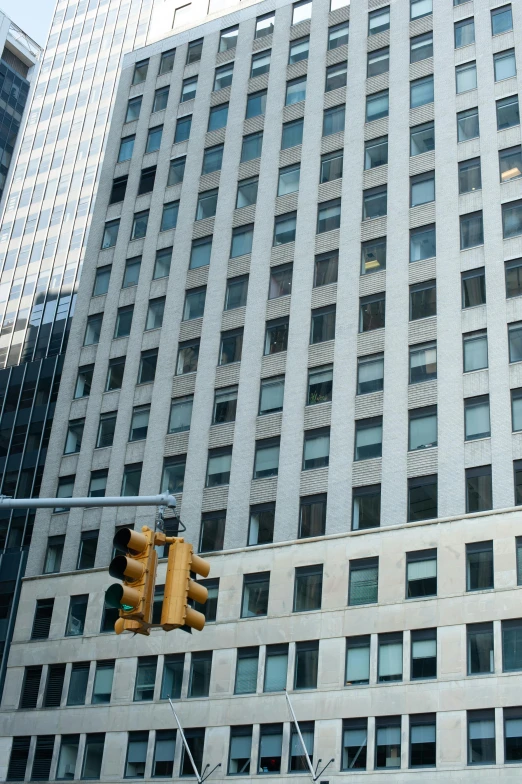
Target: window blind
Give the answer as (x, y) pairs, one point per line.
(425, 733)
(358, 664)
(388, 736)
(246, 676)
(390, 659)
(482, 729)
(275, 673)
(418, 570)
(296, 748)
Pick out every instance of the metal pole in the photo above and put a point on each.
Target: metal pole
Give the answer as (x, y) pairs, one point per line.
(165, 499)
(300, 737)
(183, 738)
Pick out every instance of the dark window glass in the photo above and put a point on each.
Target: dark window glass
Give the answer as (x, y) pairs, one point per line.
(388, 742)
(479, 496)
(423, 654)
(421, 574)
(423, 741)
(306, 665)
(422, 498)
(479, 566)
(308, 588)
(312, 516)
(261, 528)
(256, 588)
(481, 737)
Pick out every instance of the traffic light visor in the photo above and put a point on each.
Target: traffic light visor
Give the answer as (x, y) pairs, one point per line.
(129, 540)
(123, 568)
(122, 597)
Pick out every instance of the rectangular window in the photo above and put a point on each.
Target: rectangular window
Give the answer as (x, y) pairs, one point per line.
(271, 395)
(422, 243)
(240, 750)
(475, 350)
(470, 176)
(390, 657)
(123, 321)
(420, 8)
(194, 303)
(464, 32)
(256, 104)
(306, 664)
(200, 669)
(225, 405)
(140, 72)
(295, 91)
(247, 192)
(298, 762)
(131, 479)
(110, 234)
(316, 449)
(154, 139)
(126, 148)
(421, 574)
(218, 117)
(375, 202)
(207, 203)
(261, 527)
(223, 76)
(473, 288)
(423, 654)
(242, 239)
(366, 507)
(379, 21)
(377, 106)
(231, 346)
(516, 409)
(301, 11)
(364, 581)
(338, 35)
(236, 294)
(280, 281)
(169, 218)
(228, 38)
(155, 313)
(270, 748)
(78, 683)
(102, 689)
(265, 25)
(133, 108)
(480, 648)
(322, 325)
(423, 741)
(139, 225)
(260, 63)
(357, 661)
(164, 748)
(505, 65)
(200, 253)
(167, 61)
(370, 374)
(196, 742)
(212, 532)
(515, 341)
(252, 146)
(355, 739)
(479, 497)
(147, 180)
(422, 138)
(471, 230)
(501, 20)
(421, 91)
(84, 381)
(246, 670)
(54, 686)
(481, 737)
(289, 179)
(276, 666)
(173, 475)
(476, 417)
(136, 755)
(218, 468)
(423, 362)
(510, 162)
(161, 96)
(67, 757)
(372, 312)
(87, 550)
(183, 126)
(368, 438)
(308, 588)
(512, 219)
(256, 588)
(292, 134)
(172, 677)
(512, 735)
(508, 114)
(298, 50)
(333, 120)
(512, 645)
(176, 171)
(326, 268)
(93, 755)
(423, 428)
(388, 742)
(101, 281)
(422, 189)
(376, 152)
(16, 770)
(43, 754)
(212, 159)
(336, 76)
(312, 516)
(479, 566)
(266, 461)
(320, 385)
(422, 498)
(373, 256)
(421, 47)
(378, 62)
(466, 77)
(76, 616)
(145, 678)
(73, 441)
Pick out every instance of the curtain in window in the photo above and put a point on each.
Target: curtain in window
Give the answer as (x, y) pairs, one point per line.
(267, 459)
(240, 747)
(513, 728)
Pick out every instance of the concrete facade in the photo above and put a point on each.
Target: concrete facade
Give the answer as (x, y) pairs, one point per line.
(453, 695)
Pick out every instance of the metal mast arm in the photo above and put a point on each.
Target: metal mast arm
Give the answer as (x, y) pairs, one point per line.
(165, 499)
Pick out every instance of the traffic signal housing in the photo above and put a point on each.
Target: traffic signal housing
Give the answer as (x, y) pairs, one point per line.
(137, 571)
(179, 588)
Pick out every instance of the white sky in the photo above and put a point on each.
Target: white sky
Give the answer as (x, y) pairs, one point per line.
(33, 16)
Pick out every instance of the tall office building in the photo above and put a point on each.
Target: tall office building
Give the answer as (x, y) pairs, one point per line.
(44, 228)
(301, 312)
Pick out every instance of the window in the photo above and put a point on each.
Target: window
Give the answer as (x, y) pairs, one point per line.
(512, 645)
(422, 498)
(231, 346)
(280, 281)
(19, 756)
(240, 750)
(119, 186)
(84, 381)
(260, 63)
(298, 761)
(512, 219)
(512, 735)
(161, 96)
(421, 47)
(422, 189)
(422, 138)
(478, 489)
(466, 77)
(515, 342)
(423, 741)
(194, 51)
(212, 159)
(292, 134)
(98, 483)
(123, 321)
(131, 479)
(133, 108)
(375, 153)
(320, 385)
(378, 63)
(228, 38)
(132, 272)
(176, 171)
(67, 757)
(329, 216)
(167, 61)
(368, 438)
(225, 404)
(479, 566)
(126, 148)
(270, 748)
(357, 661)
(316, 449)
(377, 106)
(473, 288)
(200, 669)
(196, 742)
(510, 162)
(501, 20)
(136, 755)
(423, 300)
(312, 517)
(475, 350)
(508, 113)
(390, 657)
(236, 294)
(464, 32)
(73, 441)
(355, 739)
(87, 550)
(338, 35)
(261, 528)
(155, 313)
(53, 555)
(106, 429)
(284, 228)
(266, 461)
(77, 612)
(188, 354)
(242, 239)
(421, 574)
(364, 577)
(421, 91)
(172, 676)
(333, 120)
(256, 104)
(54, 686)
(252, 145)
(468, 125)
(218, 117)
(212, 532)
(516, 409)
(372, 312)
(93, 755)
(173, 474)
(147, 179)
(164, 748)
(299, 50)
(480, 648)
(140, 72)
(471, 230)
(470, 176)
(139, 225)
(154, 138)
(336, 76)
(375, 202)
(115, 374)
(301, 11)
(476, 416)
(247, 192)
(423, 428)
(423, 362)
(169, 218)
(366, 507)
(139, 423)
(223, 76)
(110, 234)
(271, 395)
(183, 125)
(306, 665)
(325, 268)
(423, 654)
(207, 203)
(308, 588)
(103, 678)
(379, 21)
(276, 666)
(64, 490)
(200, 252)
(256, 588)
(246, 670)
(295, 91)
(420, 8)
(505, 65)
(388, 742)
(145, 678)
(219, 463)
(289, 179)
(265, 25)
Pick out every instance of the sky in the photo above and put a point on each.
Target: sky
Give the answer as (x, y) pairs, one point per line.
(33, 16)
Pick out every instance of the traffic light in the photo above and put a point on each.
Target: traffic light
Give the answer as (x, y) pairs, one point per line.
(179, 588)
(137, 570)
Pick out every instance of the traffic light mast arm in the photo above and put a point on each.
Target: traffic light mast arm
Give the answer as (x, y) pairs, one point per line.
(165, 499)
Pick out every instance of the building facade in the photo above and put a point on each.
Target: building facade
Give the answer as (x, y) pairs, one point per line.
(323, 362)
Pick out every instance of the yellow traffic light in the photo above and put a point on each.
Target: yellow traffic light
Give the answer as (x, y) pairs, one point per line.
(137, 570)
(179, 588)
